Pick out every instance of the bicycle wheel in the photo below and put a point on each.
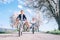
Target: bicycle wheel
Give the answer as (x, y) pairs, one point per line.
(33, 30)
(19, 31)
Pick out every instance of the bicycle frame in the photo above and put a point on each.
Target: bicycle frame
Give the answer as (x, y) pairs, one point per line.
(33, 25)
(20, 27)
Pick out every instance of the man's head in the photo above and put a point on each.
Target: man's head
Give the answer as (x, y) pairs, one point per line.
(22, 12)
(33, 18)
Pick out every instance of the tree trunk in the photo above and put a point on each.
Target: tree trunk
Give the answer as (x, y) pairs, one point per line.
(59, 16)
(58, 21)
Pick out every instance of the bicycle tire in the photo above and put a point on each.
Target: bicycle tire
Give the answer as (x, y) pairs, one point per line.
(33, 30)
(19, 32)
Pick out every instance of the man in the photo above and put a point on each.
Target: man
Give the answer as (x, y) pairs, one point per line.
(22, 16)
(21, 20)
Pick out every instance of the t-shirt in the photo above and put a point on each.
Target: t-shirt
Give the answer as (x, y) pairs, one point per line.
(33, 22)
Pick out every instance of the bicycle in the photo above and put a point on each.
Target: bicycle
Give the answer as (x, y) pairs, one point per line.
(33, 25)
(20, 26)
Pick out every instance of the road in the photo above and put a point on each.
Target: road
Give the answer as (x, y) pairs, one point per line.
(29, 36)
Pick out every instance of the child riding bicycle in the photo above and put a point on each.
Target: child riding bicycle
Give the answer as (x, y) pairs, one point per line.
(33, 22)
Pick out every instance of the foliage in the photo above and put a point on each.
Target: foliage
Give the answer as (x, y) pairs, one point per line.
(54, 32)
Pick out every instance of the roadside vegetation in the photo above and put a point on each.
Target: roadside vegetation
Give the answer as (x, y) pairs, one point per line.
(57, 32)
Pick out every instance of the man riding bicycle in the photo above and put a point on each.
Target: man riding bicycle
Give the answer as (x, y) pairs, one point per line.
(21, 20)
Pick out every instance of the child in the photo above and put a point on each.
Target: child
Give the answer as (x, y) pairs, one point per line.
(33, 22)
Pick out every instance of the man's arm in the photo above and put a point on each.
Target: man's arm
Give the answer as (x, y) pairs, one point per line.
(17, 21)
(19, 17)
(25, 17)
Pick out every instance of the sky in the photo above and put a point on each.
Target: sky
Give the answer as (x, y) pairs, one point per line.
(8, 7)
(6, 10)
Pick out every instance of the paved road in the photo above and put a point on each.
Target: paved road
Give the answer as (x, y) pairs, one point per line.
(29, 36)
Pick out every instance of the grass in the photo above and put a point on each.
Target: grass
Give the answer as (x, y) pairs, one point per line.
(57, 32)
(7, 32)
(2, 32)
